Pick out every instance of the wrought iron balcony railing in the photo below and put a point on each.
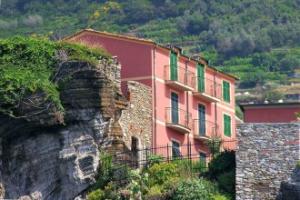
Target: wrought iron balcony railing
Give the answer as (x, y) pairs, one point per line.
(179, 77)
(206, 88)
(179, 120)
(204, 129)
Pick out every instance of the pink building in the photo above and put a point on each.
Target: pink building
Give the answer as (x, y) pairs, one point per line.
(271, 112)
(192, 102)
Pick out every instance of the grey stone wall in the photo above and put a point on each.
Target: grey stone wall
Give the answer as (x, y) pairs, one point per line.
(136, 120)
(266, 156)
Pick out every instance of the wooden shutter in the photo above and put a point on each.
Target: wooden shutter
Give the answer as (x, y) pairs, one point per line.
(226, 91)
(200, 74)
(173, 66)
(227, 125)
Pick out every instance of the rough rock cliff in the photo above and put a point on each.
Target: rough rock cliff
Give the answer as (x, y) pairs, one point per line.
(49, 155)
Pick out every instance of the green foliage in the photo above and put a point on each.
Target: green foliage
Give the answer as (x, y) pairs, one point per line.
(273, 95)
(214, 145)
(239, 112)
(298, 164)
(194, 189)
(224, 162)
(138, 183)
(27, 66)
(260, 50)
(159, 173)
(222, 170)
(96, 195)
(154, 159)
(220, 197)
(226, 181)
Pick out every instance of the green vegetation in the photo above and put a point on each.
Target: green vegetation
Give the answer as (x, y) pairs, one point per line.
(27, 66)
(298, 164)
(222, 170)
(160, 180)
(255, 40)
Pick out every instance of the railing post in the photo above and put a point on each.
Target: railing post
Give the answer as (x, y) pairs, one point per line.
(168, 152)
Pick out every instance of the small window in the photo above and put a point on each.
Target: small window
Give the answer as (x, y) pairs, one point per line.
(175, 150)
(227, 125)
(202, 158)
(226, 91)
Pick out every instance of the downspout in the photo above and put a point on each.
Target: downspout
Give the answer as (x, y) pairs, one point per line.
(187, 109)
(154, 98)
(216, 107)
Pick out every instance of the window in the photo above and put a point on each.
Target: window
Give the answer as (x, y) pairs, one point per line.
(200, 75)
(202, 125)
(226, 91)
(202, 160)
(175, 150)
(173, 66)
(227, 125)
(174, 108)
(202, 157)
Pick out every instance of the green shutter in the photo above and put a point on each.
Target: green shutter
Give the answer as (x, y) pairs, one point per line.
(173, 66)
(227, 125)
(226, 91)
(200, 74)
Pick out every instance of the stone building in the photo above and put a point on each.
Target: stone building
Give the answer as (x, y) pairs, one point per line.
(267, 155)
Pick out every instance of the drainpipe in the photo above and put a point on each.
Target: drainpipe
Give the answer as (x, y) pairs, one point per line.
(187, 105)
(154, 98)
(216, 107)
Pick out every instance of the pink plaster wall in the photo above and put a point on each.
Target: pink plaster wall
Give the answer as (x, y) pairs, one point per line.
(134, 57)
(137, 60)
(271, 115)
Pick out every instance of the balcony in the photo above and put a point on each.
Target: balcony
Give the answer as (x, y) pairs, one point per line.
(178, 120)
(179, 78)
(204, 130)
(207, 89)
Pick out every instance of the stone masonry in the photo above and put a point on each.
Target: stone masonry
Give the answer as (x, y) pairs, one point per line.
(136, 120)
(266, 156)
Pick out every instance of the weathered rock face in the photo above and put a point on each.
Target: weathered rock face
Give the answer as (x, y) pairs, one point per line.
(40, 158)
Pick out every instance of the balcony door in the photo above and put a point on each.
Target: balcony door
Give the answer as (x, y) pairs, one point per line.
(201, 114)
(173, 66)
(174, 108)
(200, 75)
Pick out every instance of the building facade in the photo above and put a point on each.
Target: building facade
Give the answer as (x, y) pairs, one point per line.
(192, 102)
(271, 112)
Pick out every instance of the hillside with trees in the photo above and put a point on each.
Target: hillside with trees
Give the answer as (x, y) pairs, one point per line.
(255, 40)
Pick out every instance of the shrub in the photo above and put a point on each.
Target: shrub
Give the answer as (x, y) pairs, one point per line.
(219, 197)
(222, 170)
(159, 173)
(154, 159)
(194, 189)
(96, 195)
(226, 181)
(222, 163)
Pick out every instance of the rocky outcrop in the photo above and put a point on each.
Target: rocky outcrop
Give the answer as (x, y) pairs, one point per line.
(47, 154)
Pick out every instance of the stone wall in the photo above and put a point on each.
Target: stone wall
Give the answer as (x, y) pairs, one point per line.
(266, 156)
(136, 120)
